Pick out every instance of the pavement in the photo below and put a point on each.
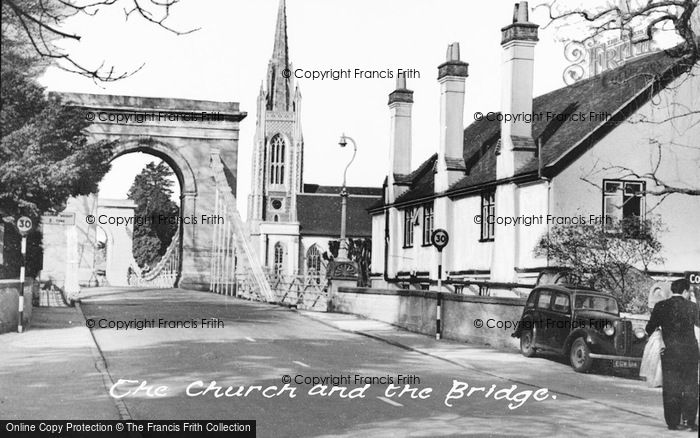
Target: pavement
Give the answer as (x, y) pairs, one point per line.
(54, 370)
(50, 371)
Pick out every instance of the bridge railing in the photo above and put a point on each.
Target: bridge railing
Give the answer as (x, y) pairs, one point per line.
(166, 272)
(302, 291)
(233, 258)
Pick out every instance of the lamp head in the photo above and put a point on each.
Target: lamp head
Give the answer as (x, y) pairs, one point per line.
(343, 141)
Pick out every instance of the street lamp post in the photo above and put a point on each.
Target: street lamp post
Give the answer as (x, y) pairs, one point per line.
(343, 250)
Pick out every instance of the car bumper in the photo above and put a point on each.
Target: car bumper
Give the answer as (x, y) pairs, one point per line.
(619, 361)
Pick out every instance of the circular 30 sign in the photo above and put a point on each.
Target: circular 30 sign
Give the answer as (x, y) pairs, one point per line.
(439, 239)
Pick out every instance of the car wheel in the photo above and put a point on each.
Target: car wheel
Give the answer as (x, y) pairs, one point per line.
(527, 343)
(580, 356)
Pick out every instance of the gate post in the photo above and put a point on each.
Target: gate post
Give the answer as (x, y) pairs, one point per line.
(340, 273)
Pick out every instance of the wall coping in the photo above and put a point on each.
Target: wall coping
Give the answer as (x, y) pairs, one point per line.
(447, 296)
(9, 281)
(15, 281)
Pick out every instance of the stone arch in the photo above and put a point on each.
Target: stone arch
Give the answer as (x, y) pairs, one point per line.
(176, 161)
(162, 127)
(185, 176)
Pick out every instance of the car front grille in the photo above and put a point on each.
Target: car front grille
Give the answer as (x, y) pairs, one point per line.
(623, 336)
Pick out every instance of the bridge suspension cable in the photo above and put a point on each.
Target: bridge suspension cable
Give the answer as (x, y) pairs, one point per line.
(235, 266)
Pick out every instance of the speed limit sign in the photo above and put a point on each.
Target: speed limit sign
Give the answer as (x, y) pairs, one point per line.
(24, 225)
(439, 239)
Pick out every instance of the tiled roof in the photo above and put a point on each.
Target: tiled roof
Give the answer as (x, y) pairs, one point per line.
(608, 92)
(422, 181)
(319, 215)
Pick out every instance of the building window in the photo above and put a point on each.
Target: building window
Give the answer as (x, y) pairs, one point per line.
(488, 213)
(313, 261)
(622, 201)
(427, 223)
(408, 228)
(277, 146)
(279, 258)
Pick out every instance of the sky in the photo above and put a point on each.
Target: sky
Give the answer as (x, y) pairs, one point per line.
(226, 60)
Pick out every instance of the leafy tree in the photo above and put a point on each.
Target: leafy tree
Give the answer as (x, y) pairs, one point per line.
(607, 260)
(359, 251)
(45, 157)
(157, 215)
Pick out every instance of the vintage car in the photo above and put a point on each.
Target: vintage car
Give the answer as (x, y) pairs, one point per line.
(580, 323)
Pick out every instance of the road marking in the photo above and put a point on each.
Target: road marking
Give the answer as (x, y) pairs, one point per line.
(391, 402)
(302, 364)
(250, 339)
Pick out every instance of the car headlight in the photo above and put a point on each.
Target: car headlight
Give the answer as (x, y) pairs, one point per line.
(609, 329)
(640, 333)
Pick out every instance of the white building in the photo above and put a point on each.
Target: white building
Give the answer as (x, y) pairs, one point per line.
(539, 167)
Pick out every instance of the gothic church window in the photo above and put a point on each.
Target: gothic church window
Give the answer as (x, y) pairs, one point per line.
(313, 261)
(277, 147)
(279, 258)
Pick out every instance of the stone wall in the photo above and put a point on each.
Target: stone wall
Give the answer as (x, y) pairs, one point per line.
(416, 311)
(9, 304)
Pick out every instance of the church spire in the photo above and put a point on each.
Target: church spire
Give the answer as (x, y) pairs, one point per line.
(279, 86)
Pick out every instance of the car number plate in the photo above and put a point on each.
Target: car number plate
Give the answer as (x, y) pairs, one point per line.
(625, 364)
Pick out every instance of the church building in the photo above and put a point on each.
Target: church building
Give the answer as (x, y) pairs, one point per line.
(291, 222)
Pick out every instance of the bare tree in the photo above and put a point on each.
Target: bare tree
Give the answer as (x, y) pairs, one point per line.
(642, 21)
(35, 26)
(627, 16)
(606, 258)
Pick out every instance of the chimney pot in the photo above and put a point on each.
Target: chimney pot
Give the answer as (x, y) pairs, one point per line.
(453, 65)
(453, 52)
(401, 82)
(521, 29)
(521, 13)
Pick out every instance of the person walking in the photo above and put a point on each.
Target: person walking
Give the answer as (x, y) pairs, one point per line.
(677, 318)
(650, 368)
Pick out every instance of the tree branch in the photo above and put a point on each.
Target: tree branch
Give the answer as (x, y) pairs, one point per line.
(35, 20)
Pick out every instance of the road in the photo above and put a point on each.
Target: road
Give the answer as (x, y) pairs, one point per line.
(251, 344)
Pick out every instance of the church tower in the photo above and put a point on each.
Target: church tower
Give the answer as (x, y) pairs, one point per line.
(278, 143)
(277, 154)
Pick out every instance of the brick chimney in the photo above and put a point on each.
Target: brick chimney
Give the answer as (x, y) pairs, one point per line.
(400, 106)
(517, 146)
(451, 76)
(518, 42)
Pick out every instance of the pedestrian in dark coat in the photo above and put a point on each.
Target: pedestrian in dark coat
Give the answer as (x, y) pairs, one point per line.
(677, 317)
